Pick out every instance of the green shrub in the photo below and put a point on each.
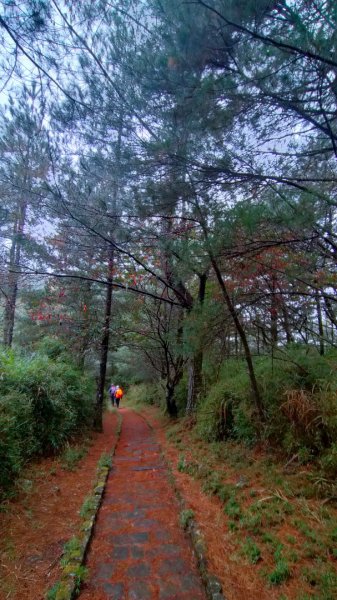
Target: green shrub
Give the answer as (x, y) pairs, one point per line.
(17, 436)
(281, 572)
(88, 507)
(251, 551)
(51, 347)
(146, 393)
(43, 402)
(269, 513)
(72, 551)
(329, 461)
(232, 508)
(299, 394)
(184, 466)
(244, 424)
(306, 383)
(71, 456)
(323, 578)
(212, 484)
(216, 413)
(181, 466)
(251, 522)
(185, 517)
(180, 394)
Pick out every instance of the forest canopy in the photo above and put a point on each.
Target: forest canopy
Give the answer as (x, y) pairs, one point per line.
(168, 204)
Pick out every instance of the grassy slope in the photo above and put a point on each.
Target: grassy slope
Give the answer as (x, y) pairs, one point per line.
(278, 525)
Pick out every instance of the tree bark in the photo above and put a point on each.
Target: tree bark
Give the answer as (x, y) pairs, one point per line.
(243, 339)
(330, 312)
(273, 313)
(98, 411)
(171, 406)
(195, 363)
(320, 325)
(287, 329)
(194, 381)
(85, 329)
(13, 275)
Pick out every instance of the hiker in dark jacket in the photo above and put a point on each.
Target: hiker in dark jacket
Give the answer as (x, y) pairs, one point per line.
(112, 391)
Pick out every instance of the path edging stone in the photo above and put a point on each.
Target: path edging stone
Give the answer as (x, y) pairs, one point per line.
(68, 586)
(211, 583)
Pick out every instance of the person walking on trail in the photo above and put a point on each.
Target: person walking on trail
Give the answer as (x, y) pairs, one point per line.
(112, 391)
(118, 395)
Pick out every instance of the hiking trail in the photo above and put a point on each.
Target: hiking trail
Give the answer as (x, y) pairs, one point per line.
(138, 550)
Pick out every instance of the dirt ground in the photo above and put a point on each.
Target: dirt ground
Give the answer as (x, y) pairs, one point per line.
(44, 515)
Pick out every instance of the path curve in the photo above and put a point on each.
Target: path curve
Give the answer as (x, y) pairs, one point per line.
(139, 551)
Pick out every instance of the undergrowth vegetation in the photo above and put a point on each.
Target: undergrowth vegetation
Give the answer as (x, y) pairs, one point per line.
(299, 392)
(44, 401)
(276, 478)
(148, 393)
(273, 515)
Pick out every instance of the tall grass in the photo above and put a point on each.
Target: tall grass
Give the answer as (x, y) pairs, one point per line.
(299, 392)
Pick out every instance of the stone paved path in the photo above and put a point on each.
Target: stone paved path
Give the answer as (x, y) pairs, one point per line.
(139, 551)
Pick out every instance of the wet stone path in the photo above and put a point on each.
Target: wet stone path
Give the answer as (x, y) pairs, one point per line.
(139, 551)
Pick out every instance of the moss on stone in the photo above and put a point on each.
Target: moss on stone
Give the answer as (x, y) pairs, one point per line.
(70, 569)
(86, 525)
(63, 591)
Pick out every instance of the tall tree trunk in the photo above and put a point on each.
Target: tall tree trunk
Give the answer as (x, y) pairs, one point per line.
(286, 324)
(243, 339)
(320, 324)
(85, 329)
(329, 311)
(171, 406)
(98, 411)
(195, 362)
(9, 312)
(194, 381)
(98, 414)
(13, 275)
(273, 313)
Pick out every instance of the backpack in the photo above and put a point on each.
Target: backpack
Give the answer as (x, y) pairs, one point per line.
(119, 393)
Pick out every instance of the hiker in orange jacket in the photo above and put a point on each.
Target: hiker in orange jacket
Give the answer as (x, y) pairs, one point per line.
(118, 395)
